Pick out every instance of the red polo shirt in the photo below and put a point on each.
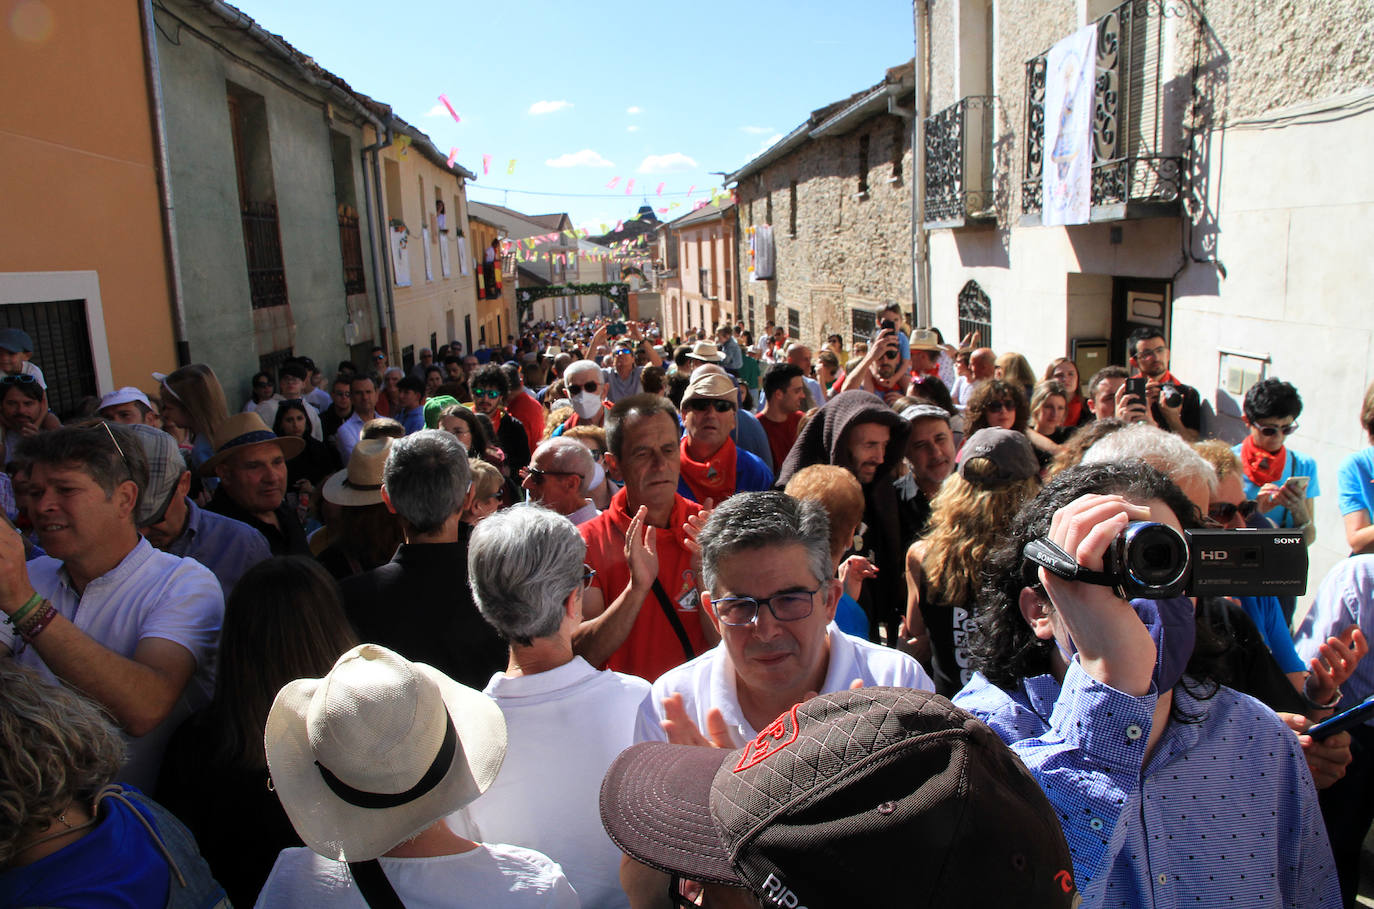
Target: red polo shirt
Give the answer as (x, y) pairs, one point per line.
(652, 647)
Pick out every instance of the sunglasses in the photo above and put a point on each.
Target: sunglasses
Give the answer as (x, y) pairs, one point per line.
(109, 432)
(624, 350)
(703, 404)
(379, 358)
(491, 393)
(588, 575)
(998, 406)
(1222, 512)
(539, 474)
(18, 379)
(590, 388)
(892, 355)
(1269, 431)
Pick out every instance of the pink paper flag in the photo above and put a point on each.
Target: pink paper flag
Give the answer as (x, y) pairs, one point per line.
(660, 189)
(663, 211)
(486, 164)
(629, 186)
(691, 191)
(619, 224)
(614, 181)
(452, 156)
(443, 99)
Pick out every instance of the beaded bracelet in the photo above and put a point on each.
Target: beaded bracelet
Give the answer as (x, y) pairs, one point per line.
(38, 622)
(23, 611)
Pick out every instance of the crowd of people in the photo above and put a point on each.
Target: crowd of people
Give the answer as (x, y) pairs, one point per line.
(610, 619)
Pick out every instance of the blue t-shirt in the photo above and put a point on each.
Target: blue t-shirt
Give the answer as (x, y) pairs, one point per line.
(115, 866)
(1355, 484)
(1295, 465)
(1267, 614)
(851, 618)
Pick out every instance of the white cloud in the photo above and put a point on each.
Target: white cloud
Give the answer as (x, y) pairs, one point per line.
(634, 110)
(436, 111)
(632, 129)
(584, 158)
(770, 142)
(548, 107)
(672, 163)
(757, 130)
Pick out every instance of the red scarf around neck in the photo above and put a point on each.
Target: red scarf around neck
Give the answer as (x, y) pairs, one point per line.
(1262, 466)
(711, 479)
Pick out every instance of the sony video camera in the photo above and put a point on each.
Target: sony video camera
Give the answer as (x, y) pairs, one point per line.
(1154, 561)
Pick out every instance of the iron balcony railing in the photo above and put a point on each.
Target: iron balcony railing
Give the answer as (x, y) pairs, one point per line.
(959, 163)
(262, 242)
(351, 248)
(1138, 165)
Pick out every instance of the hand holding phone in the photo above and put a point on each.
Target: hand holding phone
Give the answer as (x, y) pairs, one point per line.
(1298, 485)
(1342, 722)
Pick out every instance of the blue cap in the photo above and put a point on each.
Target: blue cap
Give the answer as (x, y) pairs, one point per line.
(16, 340)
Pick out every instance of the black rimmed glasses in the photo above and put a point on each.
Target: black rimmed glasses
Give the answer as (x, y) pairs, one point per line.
(1222, 512)
(787, 606)
(590, 388)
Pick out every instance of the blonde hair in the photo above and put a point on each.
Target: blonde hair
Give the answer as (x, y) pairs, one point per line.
(1016, 369)
(1043, 392)
(197, 389)
(56, 748)
(966, 523)
(486, 479)
(839, 493)
(1220, 456)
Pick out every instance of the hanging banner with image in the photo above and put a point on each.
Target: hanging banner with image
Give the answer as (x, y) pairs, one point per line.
(1070, 72)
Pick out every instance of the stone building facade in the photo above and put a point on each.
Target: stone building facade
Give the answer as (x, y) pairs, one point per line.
(700, 290)
(1230, 201)
(837, 193)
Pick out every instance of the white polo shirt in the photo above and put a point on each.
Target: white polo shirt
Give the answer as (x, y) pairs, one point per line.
(150, 594)
(709, 680)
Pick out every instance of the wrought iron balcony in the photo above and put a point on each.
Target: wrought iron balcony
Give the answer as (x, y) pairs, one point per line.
(959, 163)
(1137, 164)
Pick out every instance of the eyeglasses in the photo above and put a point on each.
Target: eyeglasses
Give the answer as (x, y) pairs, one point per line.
(998, 406)
(539, 474)
(1151, 354)
(491, 393)
(22, 378)
(590, 388)
(892, 355)
(379, 358)
(788, 606)
(1268, 431)
(588, 575)
(624, 350)
(1223, 512)
(701, 405)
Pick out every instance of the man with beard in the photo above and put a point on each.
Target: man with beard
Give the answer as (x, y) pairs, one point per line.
(879, 371)
(856, 431)
(489, 391)
(1174, 406)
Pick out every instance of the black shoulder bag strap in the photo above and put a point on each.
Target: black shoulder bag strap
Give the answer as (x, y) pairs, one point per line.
(372, 884)
(673, 620)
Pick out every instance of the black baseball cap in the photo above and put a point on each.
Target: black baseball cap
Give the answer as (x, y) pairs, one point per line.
(872, 797)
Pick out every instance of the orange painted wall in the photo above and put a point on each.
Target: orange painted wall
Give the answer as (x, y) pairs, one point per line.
(78, 184)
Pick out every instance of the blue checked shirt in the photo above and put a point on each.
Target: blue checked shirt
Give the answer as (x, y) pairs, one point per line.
(225, 546)
(1225, 812)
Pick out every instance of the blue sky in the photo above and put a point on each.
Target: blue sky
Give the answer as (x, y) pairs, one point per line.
(655, 92)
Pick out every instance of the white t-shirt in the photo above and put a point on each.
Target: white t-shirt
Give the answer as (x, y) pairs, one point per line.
(488, 876)
(150, 594)
(564, 727)
(268, 411)
(709, 680)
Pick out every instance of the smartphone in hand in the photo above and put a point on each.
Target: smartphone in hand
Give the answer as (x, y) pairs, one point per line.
(1298, 485)
(1343, 722)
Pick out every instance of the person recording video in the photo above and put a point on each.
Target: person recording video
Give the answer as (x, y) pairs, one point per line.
(1170, 786)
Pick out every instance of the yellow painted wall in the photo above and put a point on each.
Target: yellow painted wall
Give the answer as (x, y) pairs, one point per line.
(421, 307)
(77, 174)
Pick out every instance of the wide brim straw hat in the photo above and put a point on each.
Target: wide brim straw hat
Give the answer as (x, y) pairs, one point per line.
(360, 483)
(378, 750)
(706, 352)
(242, 430)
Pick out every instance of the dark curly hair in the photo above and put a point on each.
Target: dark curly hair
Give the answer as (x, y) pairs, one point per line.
(1272, 399)
(985, 393)
(1002, 646)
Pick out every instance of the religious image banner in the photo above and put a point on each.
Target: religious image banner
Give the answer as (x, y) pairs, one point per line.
(1070, 72)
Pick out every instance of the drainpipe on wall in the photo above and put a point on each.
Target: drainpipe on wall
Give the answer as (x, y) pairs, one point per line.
(920, 261)
(153, 73)
(381, 264)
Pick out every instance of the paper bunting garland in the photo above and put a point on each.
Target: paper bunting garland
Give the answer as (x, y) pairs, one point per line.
(443, 99)
(486, 164)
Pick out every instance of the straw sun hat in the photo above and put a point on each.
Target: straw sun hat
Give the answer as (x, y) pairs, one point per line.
(378, 750)
(360, 483)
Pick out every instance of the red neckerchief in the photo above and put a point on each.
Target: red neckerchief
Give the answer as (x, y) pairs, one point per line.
(495, 417)
(1167, 378)
(576, 418)
(1262, 466)
(713, 478)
